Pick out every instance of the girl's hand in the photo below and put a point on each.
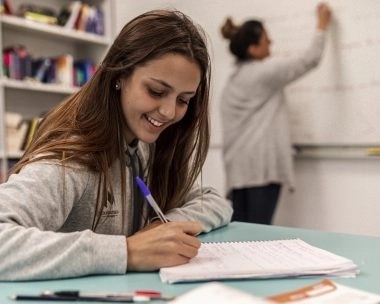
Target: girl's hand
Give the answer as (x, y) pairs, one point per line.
(166, 245)
(152, 225)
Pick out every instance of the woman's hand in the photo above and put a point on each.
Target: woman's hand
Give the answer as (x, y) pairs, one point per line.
(324, 16)
(168, 244)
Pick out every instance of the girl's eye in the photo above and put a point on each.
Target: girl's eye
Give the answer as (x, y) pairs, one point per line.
(183, 101)
(155, 93)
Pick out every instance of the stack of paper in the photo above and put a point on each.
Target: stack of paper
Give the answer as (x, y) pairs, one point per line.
(323, 292)
(217, 293)
(259, 259)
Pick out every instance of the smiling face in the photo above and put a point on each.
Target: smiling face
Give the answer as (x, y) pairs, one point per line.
(157, 95)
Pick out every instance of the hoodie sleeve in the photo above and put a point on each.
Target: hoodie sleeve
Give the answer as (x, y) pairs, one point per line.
(205, 205)
(34, 205)
(278, 73)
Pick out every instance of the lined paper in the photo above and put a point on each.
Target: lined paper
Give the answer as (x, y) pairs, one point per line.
(259, 259)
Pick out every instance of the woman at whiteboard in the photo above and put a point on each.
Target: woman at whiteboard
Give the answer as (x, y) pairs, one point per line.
(256, 145)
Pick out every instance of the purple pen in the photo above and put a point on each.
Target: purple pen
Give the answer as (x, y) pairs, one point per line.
(151, 200)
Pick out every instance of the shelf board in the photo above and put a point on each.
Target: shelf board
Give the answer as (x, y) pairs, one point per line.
(15, 155)
(31, 85)
(52, 30)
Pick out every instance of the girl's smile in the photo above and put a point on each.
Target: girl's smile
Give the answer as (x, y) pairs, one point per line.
(157, 95)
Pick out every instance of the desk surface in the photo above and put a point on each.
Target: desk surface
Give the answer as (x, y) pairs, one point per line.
(363, 250)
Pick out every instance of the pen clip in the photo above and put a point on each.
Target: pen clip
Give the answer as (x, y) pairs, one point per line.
(162, 216)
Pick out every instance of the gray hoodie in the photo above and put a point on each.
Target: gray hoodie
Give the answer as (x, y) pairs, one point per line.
(47, 211)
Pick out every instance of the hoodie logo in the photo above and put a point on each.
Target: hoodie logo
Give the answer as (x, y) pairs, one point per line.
(110, 203)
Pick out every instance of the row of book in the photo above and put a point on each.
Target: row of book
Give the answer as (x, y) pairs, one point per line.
(82, 17)
(76, 15)
(19, 132)
(18, 64)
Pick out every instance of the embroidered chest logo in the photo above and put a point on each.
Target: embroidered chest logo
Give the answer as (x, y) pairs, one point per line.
(109, 210)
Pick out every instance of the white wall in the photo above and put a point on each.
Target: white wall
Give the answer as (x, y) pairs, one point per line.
(332, 194)
(341, 195)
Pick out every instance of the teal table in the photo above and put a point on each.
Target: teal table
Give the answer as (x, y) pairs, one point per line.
(363, 250)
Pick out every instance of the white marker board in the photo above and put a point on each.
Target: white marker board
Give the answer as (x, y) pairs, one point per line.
(336, 103)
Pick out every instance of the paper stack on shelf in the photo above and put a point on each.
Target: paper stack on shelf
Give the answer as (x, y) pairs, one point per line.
(16, 130)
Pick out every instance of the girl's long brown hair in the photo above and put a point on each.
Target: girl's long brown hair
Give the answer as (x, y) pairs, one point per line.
(88, 126)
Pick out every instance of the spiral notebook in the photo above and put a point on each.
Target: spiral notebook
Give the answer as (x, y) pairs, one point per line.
(259, 259)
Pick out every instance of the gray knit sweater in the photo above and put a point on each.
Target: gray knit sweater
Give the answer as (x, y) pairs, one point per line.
(46, 213)
(256, 141)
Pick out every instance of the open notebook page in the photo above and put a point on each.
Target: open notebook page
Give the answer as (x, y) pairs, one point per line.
(259, 259)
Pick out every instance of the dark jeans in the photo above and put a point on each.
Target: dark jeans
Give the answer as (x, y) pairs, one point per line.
(256, 204)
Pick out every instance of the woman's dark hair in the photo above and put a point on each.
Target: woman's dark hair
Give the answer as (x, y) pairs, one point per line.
(241, 37)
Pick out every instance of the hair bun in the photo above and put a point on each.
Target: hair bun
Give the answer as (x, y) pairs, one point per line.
(229, 29)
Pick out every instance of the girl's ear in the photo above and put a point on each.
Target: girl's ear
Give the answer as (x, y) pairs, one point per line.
(252, 50)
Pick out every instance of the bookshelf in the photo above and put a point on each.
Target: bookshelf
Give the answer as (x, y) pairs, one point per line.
(33, 27)
(28, 97)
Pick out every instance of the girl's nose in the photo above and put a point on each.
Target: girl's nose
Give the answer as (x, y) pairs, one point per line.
(167, 109)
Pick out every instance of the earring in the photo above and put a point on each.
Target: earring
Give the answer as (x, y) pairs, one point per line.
(117, 86)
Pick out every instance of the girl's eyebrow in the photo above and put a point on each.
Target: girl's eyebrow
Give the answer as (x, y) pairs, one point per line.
(165, 84)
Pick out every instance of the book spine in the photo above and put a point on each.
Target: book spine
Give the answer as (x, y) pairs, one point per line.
(75, 8)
